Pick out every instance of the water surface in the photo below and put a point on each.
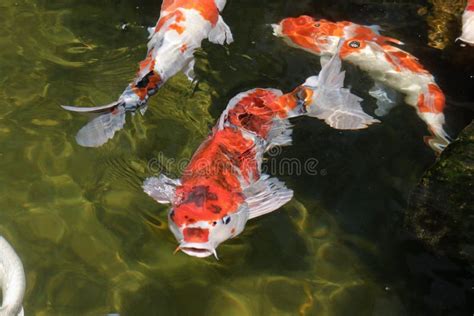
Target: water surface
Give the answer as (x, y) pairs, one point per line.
(93, 243)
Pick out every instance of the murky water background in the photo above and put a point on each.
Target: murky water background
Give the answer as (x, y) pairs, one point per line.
(93, 243)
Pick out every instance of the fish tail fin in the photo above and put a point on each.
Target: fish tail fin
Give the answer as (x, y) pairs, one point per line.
(440, 138)
(221, 33)
(327, 99)
(430, 108)
(106, 121)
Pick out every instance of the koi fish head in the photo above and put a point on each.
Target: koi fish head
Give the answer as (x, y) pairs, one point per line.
(322, 37)
(316, 36)
(200, 223)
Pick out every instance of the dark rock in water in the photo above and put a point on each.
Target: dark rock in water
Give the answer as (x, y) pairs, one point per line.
(441, 208)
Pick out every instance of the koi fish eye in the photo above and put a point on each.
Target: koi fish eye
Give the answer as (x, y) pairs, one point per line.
(226, 219)
(172, 214)
(354, 44)
(317, 25)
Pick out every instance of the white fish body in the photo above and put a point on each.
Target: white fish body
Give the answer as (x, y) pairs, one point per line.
(467, 35)
(12, 280)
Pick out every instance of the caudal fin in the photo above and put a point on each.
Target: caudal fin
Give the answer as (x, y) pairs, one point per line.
(333, 103)
(106, 121)
(440, 139)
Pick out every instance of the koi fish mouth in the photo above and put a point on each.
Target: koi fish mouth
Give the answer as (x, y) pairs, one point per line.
(197, 250)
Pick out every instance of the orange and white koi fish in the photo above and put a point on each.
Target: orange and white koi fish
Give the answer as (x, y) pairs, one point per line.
(467, 35)
(392, 69)
(223, 185)
(12, 281)
(182, 26)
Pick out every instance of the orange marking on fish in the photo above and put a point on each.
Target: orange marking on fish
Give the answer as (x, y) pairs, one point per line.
(179, 29)
(470, 5)
(433, 101)
(154, 81)
(207, 8)
(395, 62)
(183, 48)
(304, 30)
(194, 234)
(254, 112)
(404, 60)
(177, 15)
(147, 64)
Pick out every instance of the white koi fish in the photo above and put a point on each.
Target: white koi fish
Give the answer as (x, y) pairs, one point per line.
(182, 26)
(12, 281)
(392, 69)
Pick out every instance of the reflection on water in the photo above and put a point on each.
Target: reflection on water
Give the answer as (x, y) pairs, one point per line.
(444, 13)
(93, 243)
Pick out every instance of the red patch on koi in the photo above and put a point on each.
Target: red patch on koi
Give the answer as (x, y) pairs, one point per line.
(404, 60)
(210, 185)
(253, 112)
(183, 48)
(207, 8)
(147, 65)
(178, 15)
(433, 101)
(197, 235)
(305, 31)
(179, 29)
(470, 5)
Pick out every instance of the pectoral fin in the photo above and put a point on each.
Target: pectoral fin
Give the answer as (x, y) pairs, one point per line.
(333, 103)
(266, 195)
(386, 98)
(189, 70)
(161, 189)
(221, 33)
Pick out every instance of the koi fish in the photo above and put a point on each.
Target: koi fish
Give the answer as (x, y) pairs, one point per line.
(12, 280)
(182, 26)
(223, 186)
(468, 24)
(392, 69)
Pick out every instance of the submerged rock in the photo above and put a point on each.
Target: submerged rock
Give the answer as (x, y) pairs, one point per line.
(441, 208)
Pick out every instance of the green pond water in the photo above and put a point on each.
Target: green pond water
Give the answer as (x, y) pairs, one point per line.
(93, 243)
